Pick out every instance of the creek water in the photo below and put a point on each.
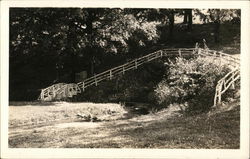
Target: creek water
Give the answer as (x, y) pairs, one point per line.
(136, 109)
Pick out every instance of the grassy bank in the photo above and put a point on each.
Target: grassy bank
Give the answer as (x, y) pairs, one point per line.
(36, 113)
(167, 128)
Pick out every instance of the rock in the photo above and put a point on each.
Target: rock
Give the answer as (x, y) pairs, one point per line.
(84, 117)
(94, 119)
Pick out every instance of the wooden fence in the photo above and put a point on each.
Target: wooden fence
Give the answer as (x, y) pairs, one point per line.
(224, 84)
(63, 90)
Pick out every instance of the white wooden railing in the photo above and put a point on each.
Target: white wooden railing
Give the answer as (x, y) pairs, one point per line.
(224, 84)
(228, 81)
(63, 90)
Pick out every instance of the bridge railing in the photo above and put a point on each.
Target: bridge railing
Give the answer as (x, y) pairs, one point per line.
(54, 91)
(229, 79)
(62, 90)
(224, 84)
(229, 59)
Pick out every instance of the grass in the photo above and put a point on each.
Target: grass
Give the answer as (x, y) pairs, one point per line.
(164, 129)
(33, 113)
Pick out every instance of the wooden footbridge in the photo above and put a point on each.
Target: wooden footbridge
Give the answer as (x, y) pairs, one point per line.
(66, 90)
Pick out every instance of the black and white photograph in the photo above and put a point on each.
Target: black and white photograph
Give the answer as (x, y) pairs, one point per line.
(91, 77)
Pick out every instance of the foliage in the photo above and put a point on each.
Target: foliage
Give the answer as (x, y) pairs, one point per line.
(134, 86)
(51, 28)
(222, 15)
(50, 45)
(58, 42)
(191, 81)
(218, 16)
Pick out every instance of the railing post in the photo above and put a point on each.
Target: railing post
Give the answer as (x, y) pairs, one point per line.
(42, 95)
(215, 97)
(220, 60)
(123, 70)
(196, 48)
(219, 95)
(228, 60)
(95, 81)
(110, 74)
(135, 63)
(179, 52)
(214, 56)
(233, 85)
(214, 53)
(199, 51)
(53, 92)
(235, 65)
(65, 90)
(83, 86)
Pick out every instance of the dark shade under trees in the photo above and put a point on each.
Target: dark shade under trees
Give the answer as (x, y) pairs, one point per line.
(50, 45)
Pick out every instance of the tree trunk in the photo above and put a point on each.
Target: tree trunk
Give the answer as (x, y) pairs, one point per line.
(73, 70)
(89, 31)
(171, 24)
(92, 66)
(190, 19)
(185, 16)
(72, 54)
(217, 31)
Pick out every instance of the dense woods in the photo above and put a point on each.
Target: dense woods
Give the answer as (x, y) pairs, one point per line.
(51, 45)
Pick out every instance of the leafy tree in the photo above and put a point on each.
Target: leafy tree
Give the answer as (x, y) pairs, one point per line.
(218, 16)
(49, 45)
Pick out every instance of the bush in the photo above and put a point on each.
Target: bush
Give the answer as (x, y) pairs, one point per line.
(134, 86)
(193, 81)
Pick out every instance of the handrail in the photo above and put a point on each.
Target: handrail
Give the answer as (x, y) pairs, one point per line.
(63, 90)
(225, 83)
(51, 93)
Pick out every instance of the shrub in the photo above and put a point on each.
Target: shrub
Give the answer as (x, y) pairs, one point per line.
(133, 86)
(193, 81)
